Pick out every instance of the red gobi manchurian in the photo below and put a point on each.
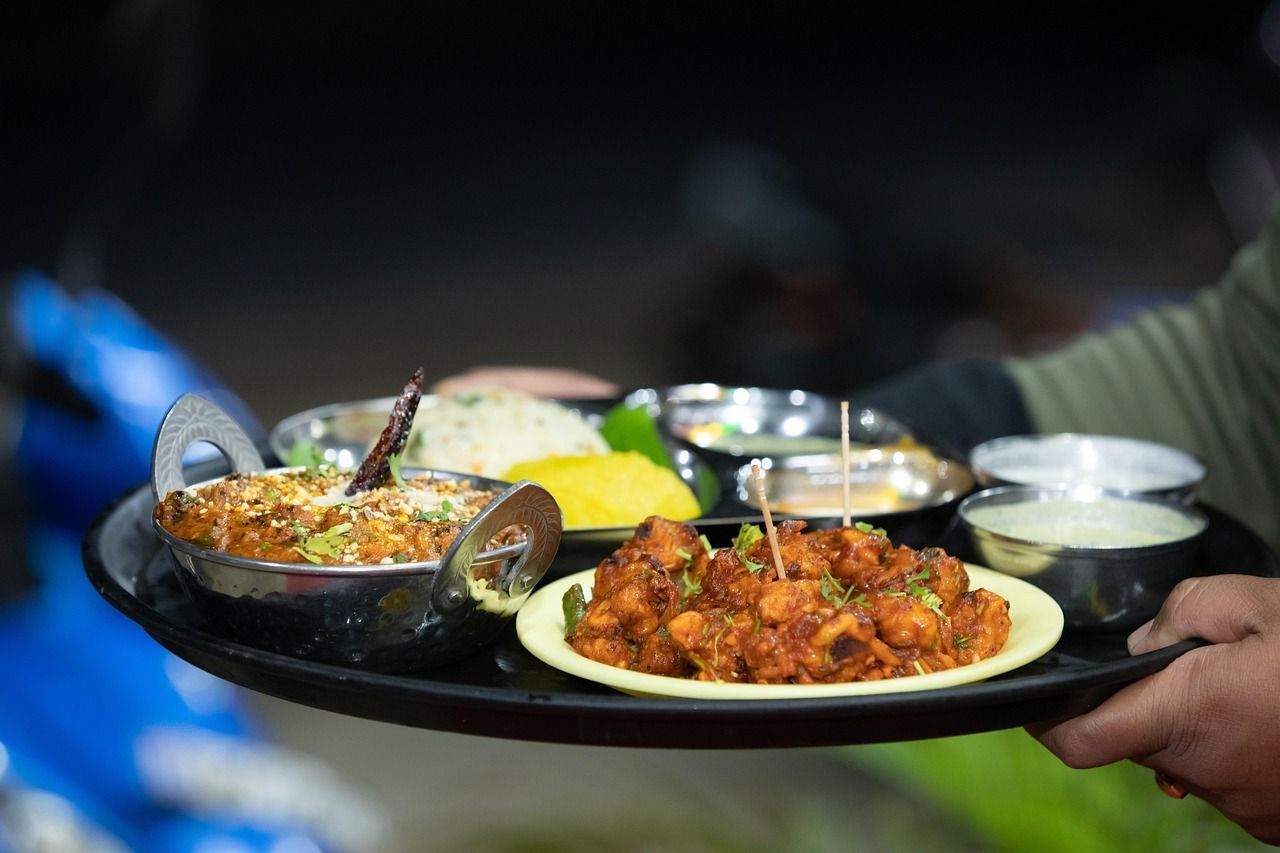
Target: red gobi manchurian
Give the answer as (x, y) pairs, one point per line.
(851, 607)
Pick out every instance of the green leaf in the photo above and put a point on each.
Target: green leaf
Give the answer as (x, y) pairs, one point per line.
(574, 606)
(748, 536)
(831, 589)
(441, 514)
(928, 598)
(866, 527)
(692, 587)
(834, 591)
(327, 544)
(312, 557)
(393, 462)
(633, 428)
(922, 575)
(304, 454)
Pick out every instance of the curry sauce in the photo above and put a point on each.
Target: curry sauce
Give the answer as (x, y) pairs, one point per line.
(304, 516)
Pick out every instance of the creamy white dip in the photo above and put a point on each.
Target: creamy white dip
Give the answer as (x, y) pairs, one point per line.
(1103, 523)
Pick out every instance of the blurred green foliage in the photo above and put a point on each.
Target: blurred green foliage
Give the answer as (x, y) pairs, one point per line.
(1015, 795)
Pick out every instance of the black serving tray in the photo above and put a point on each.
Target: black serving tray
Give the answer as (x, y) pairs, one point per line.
(506, 692)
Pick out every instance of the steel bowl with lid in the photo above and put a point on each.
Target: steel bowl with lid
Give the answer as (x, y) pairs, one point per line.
(732, 423)
(1109, 558)
(881, 482)
(390, 618)
(1077, 459)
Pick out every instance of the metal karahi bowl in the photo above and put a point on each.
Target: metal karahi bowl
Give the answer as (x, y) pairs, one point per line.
(1108, 557)
(1077, 459)
(388, 618)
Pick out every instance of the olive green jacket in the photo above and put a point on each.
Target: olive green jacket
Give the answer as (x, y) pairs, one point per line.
(1203, 376)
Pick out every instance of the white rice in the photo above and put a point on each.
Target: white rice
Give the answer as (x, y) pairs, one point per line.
(487, 431)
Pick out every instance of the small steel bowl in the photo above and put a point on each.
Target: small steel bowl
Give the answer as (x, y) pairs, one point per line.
(1109, 558)
(882, 481)
(733, 423)
(1075, 459)
(388, 618)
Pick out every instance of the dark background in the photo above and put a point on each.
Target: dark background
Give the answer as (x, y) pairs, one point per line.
(313, 199)
(316, 198)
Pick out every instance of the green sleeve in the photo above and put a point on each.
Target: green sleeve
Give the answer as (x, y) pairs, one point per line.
(1203, 376)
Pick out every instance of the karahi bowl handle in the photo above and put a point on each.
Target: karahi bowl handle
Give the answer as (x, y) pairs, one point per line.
(190, 419)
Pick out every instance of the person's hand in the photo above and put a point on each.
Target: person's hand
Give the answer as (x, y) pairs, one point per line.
(1209, 722)
(540, 381)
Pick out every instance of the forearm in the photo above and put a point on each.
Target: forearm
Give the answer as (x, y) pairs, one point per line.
(953, 405)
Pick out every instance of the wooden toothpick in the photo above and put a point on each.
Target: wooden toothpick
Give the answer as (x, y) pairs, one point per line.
(844, 457)
(768, 520)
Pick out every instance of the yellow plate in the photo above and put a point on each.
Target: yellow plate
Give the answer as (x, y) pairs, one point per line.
(1037, 625)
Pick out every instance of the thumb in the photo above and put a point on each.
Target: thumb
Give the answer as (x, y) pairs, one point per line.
(1219, 609)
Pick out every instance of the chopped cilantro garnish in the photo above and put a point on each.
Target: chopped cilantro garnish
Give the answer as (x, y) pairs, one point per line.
(919, 667)
(928, 598)
(866, 527)
(748, 535)
(327, 544)
(706, 543)
(962, 641)
(441, 514)
(399, 557)
(686, 556)
(861, 600)
(922, 575)
(834, 591)
(692, 587)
